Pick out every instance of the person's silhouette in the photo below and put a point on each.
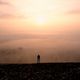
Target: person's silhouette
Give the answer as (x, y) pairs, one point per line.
(38, 58)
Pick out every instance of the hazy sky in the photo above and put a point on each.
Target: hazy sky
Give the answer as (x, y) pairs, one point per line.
(56, 24)
(39, 16)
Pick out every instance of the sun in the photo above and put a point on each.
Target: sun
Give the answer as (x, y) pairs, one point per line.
(40, 20)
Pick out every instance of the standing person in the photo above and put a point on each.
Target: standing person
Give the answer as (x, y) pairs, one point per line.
(38, 58)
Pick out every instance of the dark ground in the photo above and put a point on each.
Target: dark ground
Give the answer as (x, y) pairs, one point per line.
(47, 71)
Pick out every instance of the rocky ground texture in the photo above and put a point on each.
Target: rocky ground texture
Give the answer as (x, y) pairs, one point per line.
(45, 71)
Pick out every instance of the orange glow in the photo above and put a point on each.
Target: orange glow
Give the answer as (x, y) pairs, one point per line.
(40, 15)
(52, 26)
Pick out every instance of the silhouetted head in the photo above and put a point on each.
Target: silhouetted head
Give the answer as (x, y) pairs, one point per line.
(38, 56)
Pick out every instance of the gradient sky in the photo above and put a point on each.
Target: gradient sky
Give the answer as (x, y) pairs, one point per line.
(52, 26)
(24, 16)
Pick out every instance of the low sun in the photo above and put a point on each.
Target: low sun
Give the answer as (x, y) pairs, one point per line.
(40, 20)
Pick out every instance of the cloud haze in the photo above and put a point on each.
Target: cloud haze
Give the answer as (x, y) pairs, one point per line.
(74, 11)
(50, 25)
(12, 14)
(4, 2)
(69, 6)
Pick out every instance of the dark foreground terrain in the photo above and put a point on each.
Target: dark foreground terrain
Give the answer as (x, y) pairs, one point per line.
(55, 71)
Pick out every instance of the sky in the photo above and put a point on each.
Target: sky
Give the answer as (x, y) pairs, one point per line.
(56, 24)
(39, 17)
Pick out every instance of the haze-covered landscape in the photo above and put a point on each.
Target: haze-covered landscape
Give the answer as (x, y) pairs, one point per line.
(52, 48)
(50, 28)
